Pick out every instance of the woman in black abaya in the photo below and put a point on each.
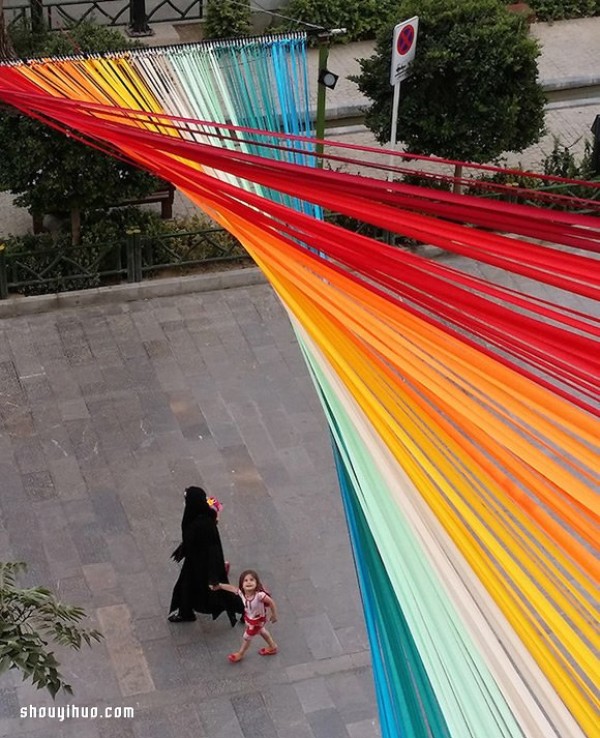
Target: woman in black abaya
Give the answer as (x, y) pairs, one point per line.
(203, 564)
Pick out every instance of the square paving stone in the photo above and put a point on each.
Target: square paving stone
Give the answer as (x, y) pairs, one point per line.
(253, 717)
(327, 724)
(39, 486)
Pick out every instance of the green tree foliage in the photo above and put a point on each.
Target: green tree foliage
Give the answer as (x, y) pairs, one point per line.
(227, 19)
(53, 173)
(473, 90)
(28, 619)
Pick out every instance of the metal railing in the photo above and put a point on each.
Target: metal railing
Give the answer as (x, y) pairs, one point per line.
(61, 14)
(137, 256)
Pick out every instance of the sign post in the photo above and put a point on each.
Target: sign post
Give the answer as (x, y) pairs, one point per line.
(404, 46)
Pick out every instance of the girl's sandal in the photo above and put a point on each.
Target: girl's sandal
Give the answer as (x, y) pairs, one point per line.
(268, 651)
(234, 657)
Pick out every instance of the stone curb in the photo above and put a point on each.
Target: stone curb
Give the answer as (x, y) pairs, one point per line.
(570, 83)
(356, 110)
(228, 279)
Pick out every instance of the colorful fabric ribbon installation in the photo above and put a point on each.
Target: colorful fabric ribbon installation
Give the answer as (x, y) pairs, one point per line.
(461, 393)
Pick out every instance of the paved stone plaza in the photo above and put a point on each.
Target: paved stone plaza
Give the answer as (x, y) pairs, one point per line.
(107, 414)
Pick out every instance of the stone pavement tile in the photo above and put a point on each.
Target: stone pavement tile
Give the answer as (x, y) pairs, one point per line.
(5, 552)
(296, 461)
(286, 712)
(18, 422)
(140, 594)
(184, 720)
(327, 724)
(349, 697)
(40, 729)
(165, 664)
(75, 409)
(152, 723)
(352, 638)
(90, 380)
(253, 716)
(117, 377)
(313, 695)
(59, 375)
(364, 729)
(10, 385)
(99, 577)
(364, 675)
(219, 719)
(293, 648)
(126, 654)
(9, 703)
(25, 358)
(85, 442)
(38, 486)
(124, 553)
(78, 728)
(116, 729)
(274, 474)
(29, 456)
(90, 543)
(61, 552)
(169, 375)
(37, 388)
(191, 421)
(154, 628)
(194, 655)
(320, 636)
(54, 439)
(68, 482)
(109, 510)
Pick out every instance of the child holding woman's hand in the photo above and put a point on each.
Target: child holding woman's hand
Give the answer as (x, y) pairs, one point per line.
(256, 601)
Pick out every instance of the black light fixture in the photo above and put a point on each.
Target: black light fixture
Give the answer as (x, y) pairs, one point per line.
(328, 79)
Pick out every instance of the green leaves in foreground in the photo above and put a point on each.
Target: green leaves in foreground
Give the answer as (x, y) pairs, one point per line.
(29, 619)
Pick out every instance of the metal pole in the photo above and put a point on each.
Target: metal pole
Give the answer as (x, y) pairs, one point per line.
(36, 9)
(391, 237)
(138, 20)
(321, 93)
(130, 246)
(394, 128)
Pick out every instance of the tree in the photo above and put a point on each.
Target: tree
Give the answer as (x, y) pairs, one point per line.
(27, 618)
(50, 172)
(227, 19)
(472, 93)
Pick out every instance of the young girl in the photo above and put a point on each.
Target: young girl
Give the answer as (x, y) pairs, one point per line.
(256, 601)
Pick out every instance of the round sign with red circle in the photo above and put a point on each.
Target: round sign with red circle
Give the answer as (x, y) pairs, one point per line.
(405, 40)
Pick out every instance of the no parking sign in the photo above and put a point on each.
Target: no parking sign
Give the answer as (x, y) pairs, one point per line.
(403, 48)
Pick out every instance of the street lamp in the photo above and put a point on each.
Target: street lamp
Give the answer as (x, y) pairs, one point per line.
(328, 79)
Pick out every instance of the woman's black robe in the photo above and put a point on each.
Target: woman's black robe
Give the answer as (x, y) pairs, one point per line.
(203, 564)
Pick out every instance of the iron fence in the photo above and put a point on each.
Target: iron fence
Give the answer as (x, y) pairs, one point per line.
(61, 14)
(136, 256)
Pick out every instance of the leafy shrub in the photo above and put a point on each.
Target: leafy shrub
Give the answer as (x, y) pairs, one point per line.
(362, 20)
(227, 19)
(561, 162)
(548, 10)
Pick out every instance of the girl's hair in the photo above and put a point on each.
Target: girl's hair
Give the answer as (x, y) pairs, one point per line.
(252, 573)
